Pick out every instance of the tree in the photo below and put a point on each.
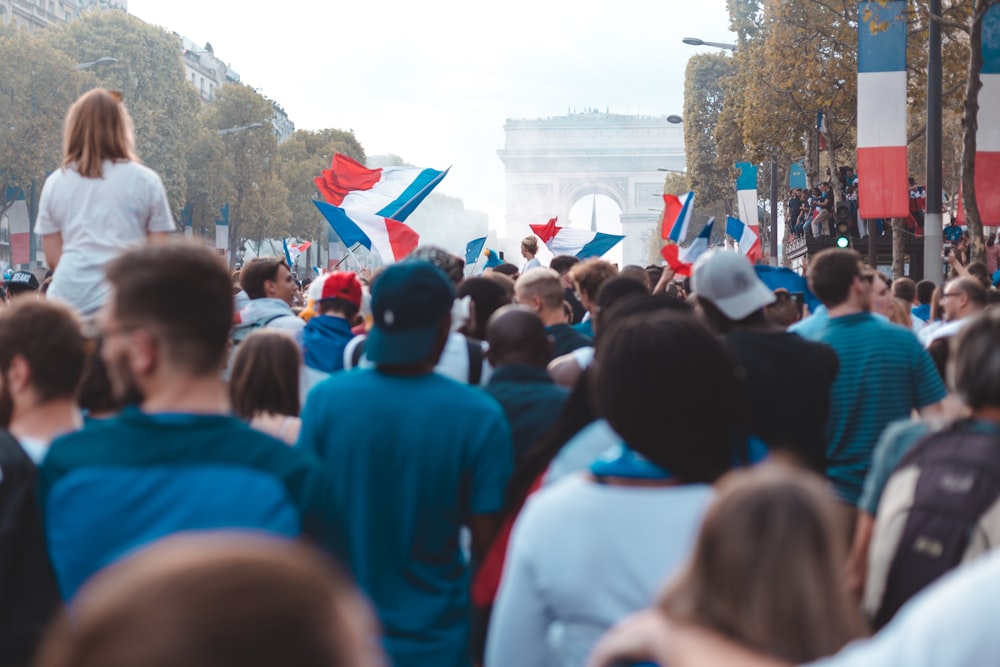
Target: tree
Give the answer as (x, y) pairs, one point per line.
(150, 75)
(258, 208)
(704, 98)
(37, 85)
(299, 161)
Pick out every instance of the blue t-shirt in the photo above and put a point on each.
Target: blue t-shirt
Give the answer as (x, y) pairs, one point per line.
(122, 483)
(411, 459)
(884, 374)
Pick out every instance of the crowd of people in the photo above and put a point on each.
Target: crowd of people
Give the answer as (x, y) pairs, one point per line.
(572, 465)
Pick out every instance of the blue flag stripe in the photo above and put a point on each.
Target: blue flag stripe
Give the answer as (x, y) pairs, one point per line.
(991, 41)
(747, 180)
(342, 226)
(473, 249)
(600, 245)
(402, 206)
(885, 49)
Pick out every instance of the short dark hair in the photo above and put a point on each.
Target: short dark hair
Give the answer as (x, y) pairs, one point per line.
(265, 375)
(975, 368)
(48, 336)
(831, 274)
(258, 271)
(182, 293)
(590, 274)
(641, 352)
(337, 305)
(507, 269)
(904, 289)
(488, 297)
(925, 290)
(563, 263)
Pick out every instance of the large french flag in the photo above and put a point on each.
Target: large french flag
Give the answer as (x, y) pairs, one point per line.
(700, 244)
(745, 236)
(20, 228)
(677, 216)
(988, 134)
(883, 190)
(391, 239)
(392, 192)
(582, 243)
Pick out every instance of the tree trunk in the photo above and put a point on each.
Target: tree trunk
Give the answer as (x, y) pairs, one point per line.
(898, 247)
(831, 156)
(977, 248)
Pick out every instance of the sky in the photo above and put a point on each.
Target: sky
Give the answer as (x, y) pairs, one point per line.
(435, 81)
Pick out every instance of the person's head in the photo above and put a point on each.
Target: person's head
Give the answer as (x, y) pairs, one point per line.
(268, 278)
(22, 285)
(666, 370)
(655, 273)
(264, 378)
(486, 297)
(450, 265)
(900, 313)
(216, 600)
(836, 276)
(882, 301)
(97, 128)
(962, 297)
(786, 309)
(337, 293)
(905, 290)
(974, 371)
(728, 289)
(529, 247)
(768, 525)
(411, 307)
(507, 269)
(588, 276)
(96, 396)
(561, 264)
(541, 290)
(637, 273)
(168, 316)
(979, 271)
(516, 335)
(42, 353)
(611, 293)
(936, 310)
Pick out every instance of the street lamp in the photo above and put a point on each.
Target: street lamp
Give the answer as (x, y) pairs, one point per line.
(103, 60)
(675, 119)
(235, 130)
(694, 41)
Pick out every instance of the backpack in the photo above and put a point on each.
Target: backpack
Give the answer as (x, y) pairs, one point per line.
(475, 359)
(939, 509)
(244, 329)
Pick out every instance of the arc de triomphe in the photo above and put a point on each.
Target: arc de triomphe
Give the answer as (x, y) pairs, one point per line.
(552, 163)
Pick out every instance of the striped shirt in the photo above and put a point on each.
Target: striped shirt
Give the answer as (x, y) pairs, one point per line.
(884, 374)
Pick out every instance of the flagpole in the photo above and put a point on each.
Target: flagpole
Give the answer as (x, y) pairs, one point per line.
(350, 251)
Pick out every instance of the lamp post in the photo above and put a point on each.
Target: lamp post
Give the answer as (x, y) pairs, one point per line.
(103, 60)
(933, 224)
(694, 41)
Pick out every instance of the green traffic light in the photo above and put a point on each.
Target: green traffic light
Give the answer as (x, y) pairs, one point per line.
(843, 242)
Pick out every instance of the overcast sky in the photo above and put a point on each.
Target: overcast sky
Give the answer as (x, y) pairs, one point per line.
(434, 82)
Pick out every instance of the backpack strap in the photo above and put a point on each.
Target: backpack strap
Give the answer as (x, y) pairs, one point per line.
(475, 361)
(357, 353)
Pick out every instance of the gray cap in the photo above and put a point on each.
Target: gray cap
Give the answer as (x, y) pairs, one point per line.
(728, 280)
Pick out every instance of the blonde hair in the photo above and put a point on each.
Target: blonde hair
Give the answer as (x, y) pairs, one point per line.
(901, 313)
(766, 569)
(530, 244)
(97, 128)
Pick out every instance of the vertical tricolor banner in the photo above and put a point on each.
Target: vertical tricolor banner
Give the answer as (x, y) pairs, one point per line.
(746, 194)
(988, 134)
(222, 232)
(883, 190)
(20, 228)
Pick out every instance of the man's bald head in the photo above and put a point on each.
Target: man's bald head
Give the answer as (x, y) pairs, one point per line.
(516, 335)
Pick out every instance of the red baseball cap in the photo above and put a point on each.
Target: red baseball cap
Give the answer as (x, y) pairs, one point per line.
(338, 285)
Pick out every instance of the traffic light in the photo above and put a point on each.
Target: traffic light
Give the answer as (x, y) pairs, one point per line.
(843, 227)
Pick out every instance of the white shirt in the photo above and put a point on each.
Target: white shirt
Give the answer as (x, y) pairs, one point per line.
(951, 622)
(582, 556)
(98, 218)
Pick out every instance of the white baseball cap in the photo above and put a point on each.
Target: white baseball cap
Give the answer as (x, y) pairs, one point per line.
(728, 280)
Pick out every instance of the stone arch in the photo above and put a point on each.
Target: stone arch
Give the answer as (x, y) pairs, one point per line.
(550, 163)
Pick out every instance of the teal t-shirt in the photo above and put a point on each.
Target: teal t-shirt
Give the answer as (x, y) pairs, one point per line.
(884, 374)
(122, 483)
(410, 459)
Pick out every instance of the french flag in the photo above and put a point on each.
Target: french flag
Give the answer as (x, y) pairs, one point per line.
(681, 260)
(745, 237)
(390, 239)
(883, 190)
(393, 192)
(20, 227)
(988, 132)
(677, 216)
(746, 199)
(581, 243)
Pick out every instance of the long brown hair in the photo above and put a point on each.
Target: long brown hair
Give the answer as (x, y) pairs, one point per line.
(265, 375)
(766, 570)
(97, 128)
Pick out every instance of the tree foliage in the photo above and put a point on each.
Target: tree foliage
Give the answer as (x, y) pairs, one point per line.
(710, 178)
(37, 85)
(150, 75)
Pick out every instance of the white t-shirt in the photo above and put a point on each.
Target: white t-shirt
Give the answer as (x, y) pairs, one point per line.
(582, 556)
(98, 219)
(951, 622)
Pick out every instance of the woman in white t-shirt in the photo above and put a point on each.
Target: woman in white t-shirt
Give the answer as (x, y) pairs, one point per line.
(99, 202)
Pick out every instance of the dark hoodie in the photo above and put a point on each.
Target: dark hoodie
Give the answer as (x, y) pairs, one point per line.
(324, 340)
